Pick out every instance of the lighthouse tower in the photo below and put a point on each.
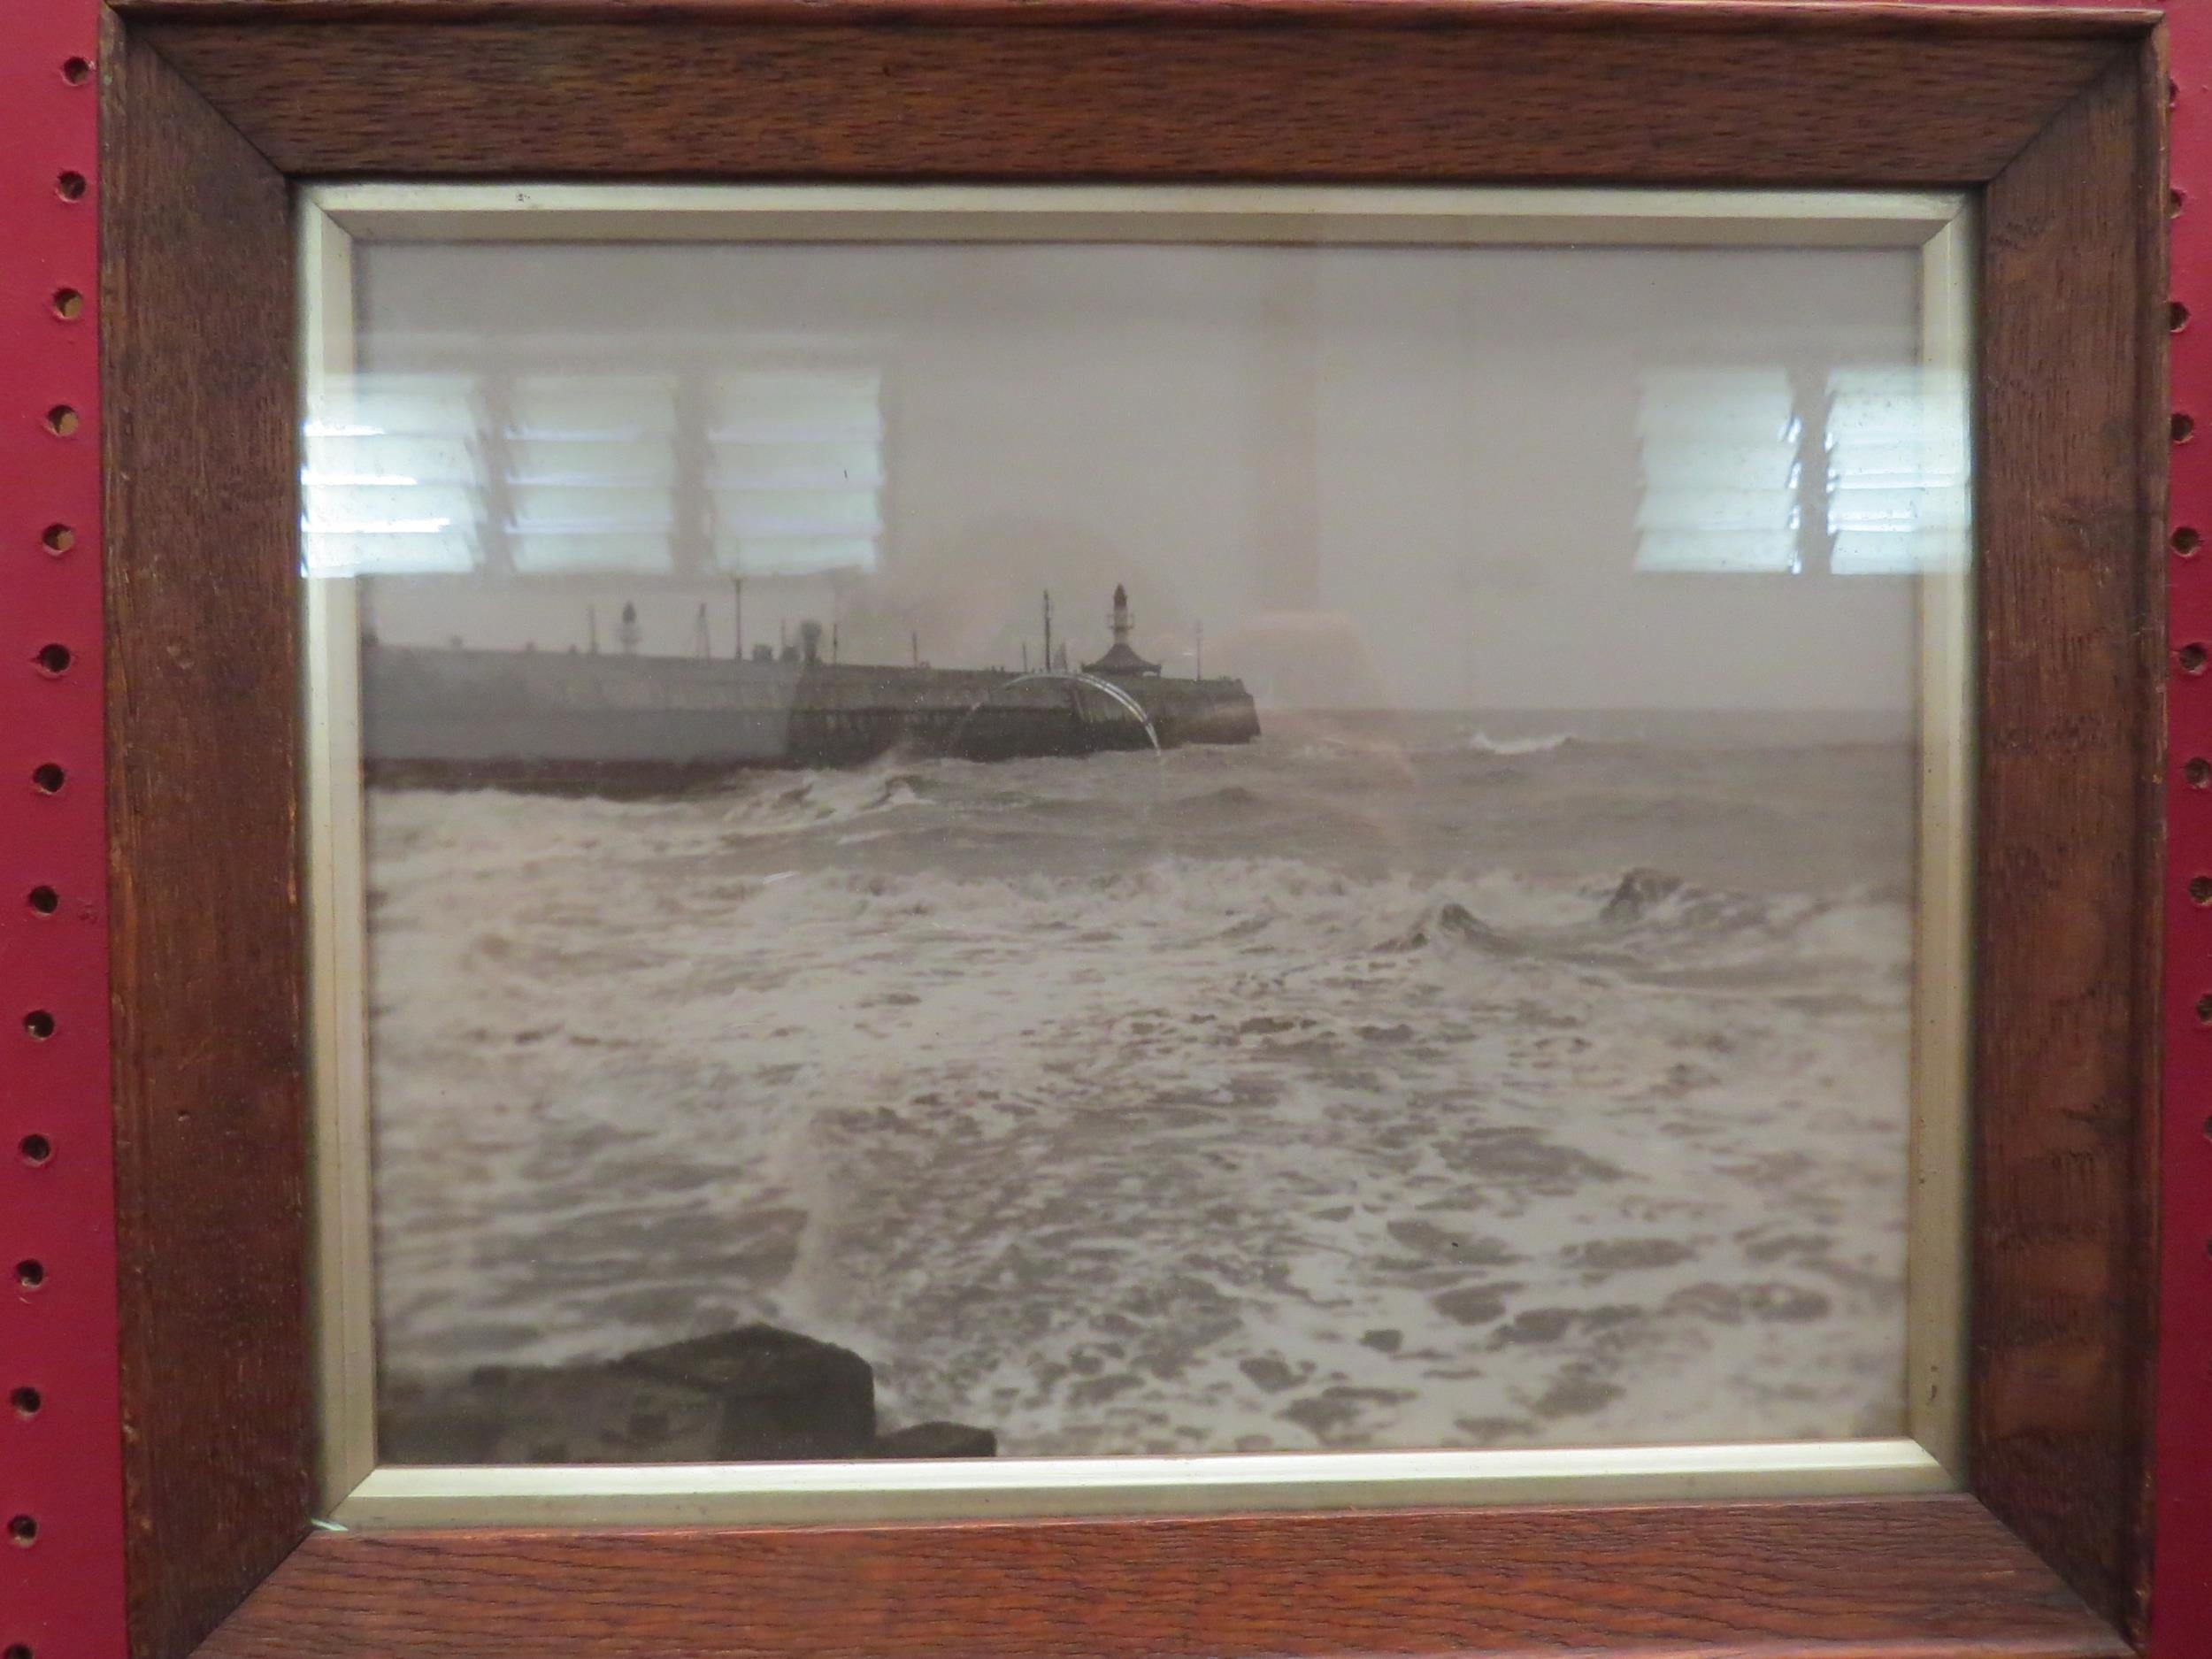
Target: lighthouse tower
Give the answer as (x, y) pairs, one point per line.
(1121, 660)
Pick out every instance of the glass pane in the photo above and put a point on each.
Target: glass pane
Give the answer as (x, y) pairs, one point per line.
(1113, 849)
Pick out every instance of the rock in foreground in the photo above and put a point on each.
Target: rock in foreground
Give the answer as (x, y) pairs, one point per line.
(756, 1394)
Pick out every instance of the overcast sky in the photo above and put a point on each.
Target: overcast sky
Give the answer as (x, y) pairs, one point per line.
(1373, 476)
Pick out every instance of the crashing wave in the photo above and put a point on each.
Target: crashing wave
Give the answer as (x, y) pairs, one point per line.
(1638, 892)
(1448, 922)
(819, 798)
(1483, 744)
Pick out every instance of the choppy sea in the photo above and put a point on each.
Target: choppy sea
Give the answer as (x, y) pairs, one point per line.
(1394, 1082)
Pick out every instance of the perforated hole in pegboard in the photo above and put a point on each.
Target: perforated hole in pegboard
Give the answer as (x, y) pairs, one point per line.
(2181, 1599)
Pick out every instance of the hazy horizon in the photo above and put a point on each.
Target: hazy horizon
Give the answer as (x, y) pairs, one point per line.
(1419, 477)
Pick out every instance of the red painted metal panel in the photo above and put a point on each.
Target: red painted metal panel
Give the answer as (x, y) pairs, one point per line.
(61, 1565)
(2181, 1591)
(61, 1588)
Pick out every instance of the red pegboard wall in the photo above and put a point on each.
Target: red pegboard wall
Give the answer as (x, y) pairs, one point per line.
(2181, 1584)
(61, 1563)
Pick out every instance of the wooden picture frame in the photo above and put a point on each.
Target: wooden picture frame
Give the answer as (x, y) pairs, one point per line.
(214, 110)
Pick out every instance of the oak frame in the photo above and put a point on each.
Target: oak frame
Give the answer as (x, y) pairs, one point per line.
(212, 107)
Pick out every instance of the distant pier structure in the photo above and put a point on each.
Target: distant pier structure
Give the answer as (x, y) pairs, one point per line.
(636, 724)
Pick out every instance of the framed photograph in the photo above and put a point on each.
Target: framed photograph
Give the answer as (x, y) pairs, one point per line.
(1248, 829)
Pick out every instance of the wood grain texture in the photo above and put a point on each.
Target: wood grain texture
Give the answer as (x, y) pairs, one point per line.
(202, 694)
(1475, 97)
(2035, 21)
(2150, 100)
(2071, 593)
(1927, 1577)
(207, 952)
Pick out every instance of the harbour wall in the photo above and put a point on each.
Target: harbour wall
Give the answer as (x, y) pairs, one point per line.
(553, 716)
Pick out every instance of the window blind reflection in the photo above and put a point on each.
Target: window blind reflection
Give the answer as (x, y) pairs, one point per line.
(796, 471)
(1725, 487)
(591, 473)
(393, 476)
(1720, 473)
(1896, 483)
(770, 472)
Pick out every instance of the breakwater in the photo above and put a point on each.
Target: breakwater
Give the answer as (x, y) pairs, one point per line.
(555, 718)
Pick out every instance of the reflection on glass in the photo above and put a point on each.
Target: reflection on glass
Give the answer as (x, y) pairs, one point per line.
(587, 472)
(1725, 487)
(588, 465)
(796, 472)
(1896, 472)
(1117, 849)
(1720, 472)
(393, 476)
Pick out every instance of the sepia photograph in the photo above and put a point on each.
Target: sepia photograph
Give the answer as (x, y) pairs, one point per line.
(1036, 850)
